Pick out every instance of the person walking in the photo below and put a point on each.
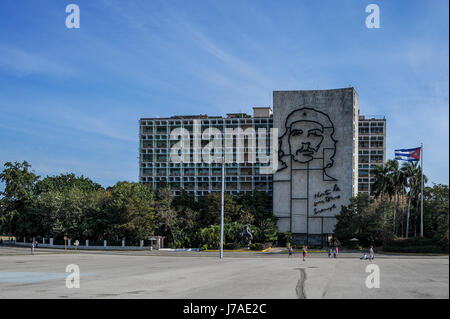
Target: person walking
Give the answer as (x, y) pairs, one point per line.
(33, 244)
(371, 253)
(291, 252)
(304, 252)
(330, 252)
(337, 251)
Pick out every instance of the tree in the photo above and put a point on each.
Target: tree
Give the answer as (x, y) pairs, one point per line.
(436, 213)
(268, 231)
(232, 233)
(167, 215)
(65, 182)
(259, 206)
(210, 236)
(130, 211)
(396, 181)
(210, 206)
(360, 219)
(382, 185)
(17, 197)
(412, 173)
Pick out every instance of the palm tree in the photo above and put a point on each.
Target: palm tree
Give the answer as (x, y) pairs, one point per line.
(381, 185)
(401, 195)
(412, 172)
(397, 184)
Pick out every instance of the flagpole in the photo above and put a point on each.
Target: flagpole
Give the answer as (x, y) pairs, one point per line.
(421, 185)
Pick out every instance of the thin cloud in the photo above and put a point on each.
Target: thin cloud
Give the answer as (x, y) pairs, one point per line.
(23, 63)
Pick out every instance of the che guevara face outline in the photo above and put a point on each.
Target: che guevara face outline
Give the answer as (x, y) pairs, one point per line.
(308, 135)
(305, 138)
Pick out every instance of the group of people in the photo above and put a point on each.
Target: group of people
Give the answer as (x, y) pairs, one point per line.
(333, 253)
(304, 251)
(371, 255)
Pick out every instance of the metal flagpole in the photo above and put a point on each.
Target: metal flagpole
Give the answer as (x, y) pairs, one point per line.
(221, 205)
(421, 191)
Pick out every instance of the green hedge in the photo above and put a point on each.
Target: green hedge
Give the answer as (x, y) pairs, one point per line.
(231, 246)
(259, 246)
(415, 245)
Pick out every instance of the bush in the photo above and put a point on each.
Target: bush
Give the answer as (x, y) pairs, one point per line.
(284, 239)
(256, 246)
(211, 236)
(96, 243)
(415, 245)
(231, 246)
(353, 244)
(114, 243)
(407, 242)
(232, 233)
(259, 246)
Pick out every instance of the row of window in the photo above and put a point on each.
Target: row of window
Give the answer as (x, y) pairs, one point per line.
(371, 123)
(365, 144)
(204, 193)
(193, 172)
(363, 152)
(373, 130)
(212, 185)
(194, 165)
(199, 179)
(371, 138)
(206, 121)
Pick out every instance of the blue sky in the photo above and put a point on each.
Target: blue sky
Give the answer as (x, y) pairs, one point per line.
(70, 99)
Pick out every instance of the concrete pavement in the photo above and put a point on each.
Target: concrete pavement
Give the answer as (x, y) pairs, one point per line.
(149, 275)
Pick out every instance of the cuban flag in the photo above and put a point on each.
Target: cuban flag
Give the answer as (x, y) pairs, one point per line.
(410, 154)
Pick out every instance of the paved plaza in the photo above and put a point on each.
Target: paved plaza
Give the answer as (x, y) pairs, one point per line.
(147, 274)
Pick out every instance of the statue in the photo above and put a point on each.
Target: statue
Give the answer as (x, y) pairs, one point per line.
(247, 234)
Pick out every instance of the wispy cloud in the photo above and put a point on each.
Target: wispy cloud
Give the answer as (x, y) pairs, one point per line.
(23, 63)
(75, 96)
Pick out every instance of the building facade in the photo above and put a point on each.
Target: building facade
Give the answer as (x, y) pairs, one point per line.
(318, 158)
(199, 178)
(372, 149)
(325, 155)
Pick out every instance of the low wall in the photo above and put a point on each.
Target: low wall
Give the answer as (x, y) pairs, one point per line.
(86, 247)
(180, 249)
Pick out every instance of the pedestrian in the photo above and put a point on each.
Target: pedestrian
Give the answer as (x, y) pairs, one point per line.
(337, 251)
(330, 252)
(304, 251)
(371, 254)
(76, 244)
(32, 247)
(334, 252)
(290, 251)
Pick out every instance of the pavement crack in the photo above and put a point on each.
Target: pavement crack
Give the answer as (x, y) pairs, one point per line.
(300, 288)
